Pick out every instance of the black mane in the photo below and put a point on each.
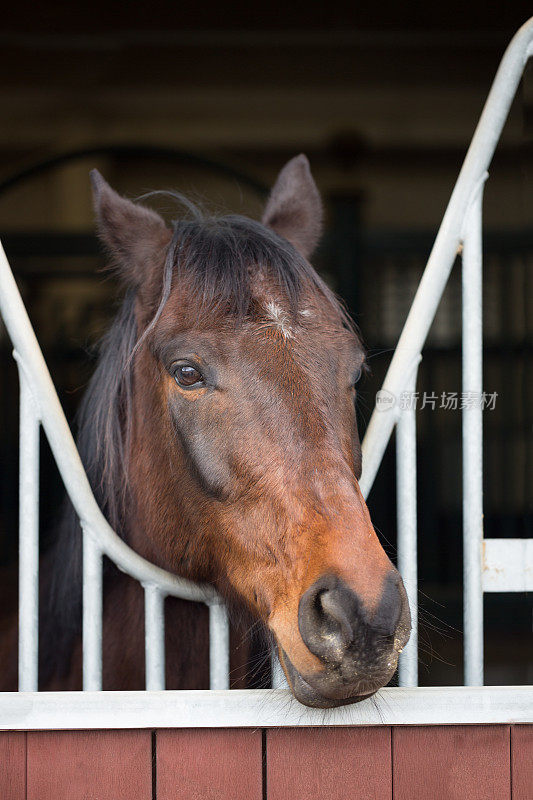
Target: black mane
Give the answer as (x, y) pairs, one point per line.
(102, 445)
(219, 254)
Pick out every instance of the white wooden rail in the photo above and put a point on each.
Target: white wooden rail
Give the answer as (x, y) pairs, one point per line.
(261, 708)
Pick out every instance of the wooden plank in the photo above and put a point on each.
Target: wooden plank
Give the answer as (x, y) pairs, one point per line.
(209, 764)
(329, 763)
(522, 762)
(451, 762)
(107, 765)
(13, 766)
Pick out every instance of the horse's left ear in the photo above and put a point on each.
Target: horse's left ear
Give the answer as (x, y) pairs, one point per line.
(136, 237)
(294, 208)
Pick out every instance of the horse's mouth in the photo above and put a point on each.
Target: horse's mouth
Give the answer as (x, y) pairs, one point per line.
(309, 696)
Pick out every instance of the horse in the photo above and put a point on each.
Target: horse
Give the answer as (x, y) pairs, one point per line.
(219, 435)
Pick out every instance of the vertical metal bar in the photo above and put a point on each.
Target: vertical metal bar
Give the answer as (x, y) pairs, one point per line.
(218, 646)
(28, 655)
(154, 637)
(407, 528)
(278, 676)
(473, 443)
(92, 615)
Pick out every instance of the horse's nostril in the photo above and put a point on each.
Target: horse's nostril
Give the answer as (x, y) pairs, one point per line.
(327, 617)
(332, 619)
(336, 616)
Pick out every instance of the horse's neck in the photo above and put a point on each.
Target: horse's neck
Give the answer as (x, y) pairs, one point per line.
(186, 643)
(186, 640)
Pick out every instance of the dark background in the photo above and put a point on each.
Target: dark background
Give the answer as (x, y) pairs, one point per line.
(212, 100)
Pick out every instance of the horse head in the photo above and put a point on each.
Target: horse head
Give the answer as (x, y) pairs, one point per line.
(243, 455)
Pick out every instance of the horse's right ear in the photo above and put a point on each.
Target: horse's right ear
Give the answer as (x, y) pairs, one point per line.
(294, 208)
(136, 237)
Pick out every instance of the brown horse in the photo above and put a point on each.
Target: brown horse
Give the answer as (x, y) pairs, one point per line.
(220, 438)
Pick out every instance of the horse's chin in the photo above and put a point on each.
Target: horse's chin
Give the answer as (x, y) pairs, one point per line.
(309, 696)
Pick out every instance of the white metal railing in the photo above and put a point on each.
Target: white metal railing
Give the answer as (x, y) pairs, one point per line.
(39, 405)
(489, 564)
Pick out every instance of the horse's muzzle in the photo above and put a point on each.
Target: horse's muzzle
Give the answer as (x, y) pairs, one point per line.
(358, 650)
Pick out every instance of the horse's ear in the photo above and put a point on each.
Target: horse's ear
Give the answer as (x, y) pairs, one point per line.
(136, 237)
(294, 208)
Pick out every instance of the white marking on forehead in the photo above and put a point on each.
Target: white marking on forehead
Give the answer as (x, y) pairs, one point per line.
(306, 312)
(278, 317)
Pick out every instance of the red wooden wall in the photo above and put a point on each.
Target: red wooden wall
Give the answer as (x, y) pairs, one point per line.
(474, 762)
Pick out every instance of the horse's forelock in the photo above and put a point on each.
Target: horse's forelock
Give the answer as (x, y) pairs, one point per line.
(221, 257)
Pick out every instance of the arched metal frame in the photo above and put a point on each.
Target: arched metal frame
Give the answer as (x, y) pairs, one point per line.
(132, 151)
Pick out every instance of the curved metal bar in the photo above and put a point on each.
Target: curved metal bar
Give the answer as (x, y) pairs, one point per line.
(66, 454)
(447, 243)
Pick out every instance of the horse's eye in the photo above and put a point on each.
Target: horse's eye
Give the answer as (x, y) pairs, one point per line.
(188, 376)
